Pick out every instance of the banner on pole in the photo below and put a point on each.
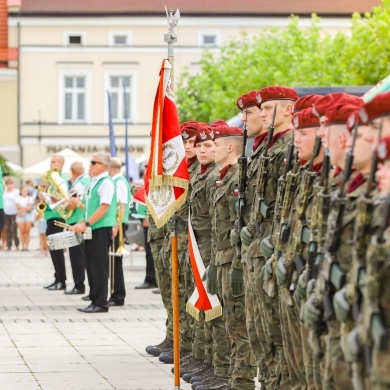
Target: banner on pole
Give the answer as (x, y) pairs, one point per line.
(166, 177)
(111, 127)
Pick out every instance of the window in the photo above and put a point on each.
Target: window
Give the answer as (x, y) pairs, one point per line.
(117, 85)
(119, 38)
(209, 38)
(74, 98)
(74, 38)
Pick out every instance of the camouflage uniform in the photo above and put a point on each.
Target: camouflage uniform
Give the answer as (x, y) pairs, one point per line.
(242, 371)
(201, 207)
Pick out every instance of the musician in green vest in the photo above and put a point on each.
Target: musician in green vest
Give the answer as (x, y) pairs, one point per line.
(56, 180)
(80, 182)
(123, 198)
(100, 215)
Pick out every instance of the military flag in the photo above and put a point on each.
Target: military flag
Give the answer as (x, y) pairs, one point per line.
(166, 177)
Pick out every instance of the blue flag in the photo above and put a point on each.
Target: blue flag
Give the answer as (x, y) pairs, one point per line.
(111, 127)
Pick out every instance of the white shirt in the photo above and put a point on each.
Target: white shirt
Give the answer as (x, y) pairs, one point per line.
(24, 201)
(121, 190)
(9, 198)
(79, 187)
(106, 190)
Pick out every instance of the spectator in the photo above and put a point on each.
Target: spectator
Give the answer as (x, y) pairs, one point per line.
(25, 215)
(9, 196)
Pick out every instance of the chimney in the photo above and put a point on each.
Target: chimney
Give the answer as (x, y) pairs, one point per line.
(3, 34)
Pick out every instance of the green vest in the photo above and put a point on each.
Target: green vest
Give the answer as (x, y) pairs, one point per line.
(1, 189)
(78, 213)
(92, 203)
(49, 213)
(140, 211)
(127, 206)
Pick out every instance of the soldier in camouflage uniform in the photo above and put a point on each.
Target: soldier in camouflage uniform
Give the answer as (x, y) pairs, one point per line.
(201, 211)
(267, 179)
(230, 281)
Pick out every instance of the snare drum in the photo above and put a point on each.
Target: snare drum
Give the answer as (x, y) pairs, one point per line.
(63, 240)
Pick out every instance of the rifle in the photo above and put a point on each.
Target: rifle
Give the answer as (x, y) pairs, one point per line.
(242, 182)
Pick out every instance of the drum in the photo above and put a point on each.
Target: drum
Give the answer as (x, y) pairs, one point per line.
(63, 240)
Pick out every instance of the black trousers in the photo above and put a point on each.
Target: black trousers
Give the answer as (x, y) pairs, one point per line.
(11, 230)
(77, 261)
(119, 292)
(96, 254)
(150, 274)
(57, 256)
(2, 220)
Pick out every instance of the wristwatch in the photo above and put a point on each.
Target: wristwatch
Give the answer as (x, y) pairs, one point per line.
(87, 224)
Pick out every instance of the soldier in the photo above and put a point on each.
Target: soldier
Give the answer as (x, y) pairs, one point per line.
(276, 112)
(250, 116)
(229, 269)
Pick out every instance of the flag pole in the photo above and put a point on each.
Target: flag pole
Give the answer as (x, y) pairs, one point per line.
(111, 127)
(170, 38)
(126, 130)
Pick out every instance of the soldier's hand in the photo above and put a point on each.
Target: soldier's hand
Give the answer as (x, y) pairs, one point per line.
(311, 312)
(341, 306)
(266, 248)
(352, 346)
(237, 280)
(246, 236)
(234, 237)
(210, 275)
(300, 290)
(281, 272)
(267, 270)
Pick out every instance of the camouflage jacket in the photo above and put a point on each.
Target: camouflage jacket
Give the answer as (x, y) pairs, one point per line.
(225, 215)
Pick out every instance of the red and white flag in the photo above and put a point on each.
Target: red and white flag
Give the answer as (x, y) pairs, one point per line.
(200, 300)
(166, 177)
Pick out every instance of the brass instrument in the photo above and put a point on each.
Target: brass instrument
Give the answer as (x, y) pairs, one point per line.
(41, 207)
(121, 248)
(58, 188)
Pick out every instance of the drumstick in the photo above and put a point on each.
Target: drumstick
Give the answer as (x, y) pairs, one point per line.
(61, 224)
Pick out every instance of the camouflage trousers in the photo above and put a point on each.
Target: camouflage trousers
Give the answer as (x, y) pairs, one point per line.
(336, 372)
(242, 371)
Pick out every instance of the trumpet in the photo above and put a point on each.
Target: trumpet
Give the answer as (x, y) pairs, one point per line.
(121, 248)
(61, 205)
(41, 207)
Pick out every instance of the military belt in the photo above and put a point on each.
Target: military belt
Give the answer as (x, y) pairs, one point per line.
(224, 244)
(305, 235)
(202, 233)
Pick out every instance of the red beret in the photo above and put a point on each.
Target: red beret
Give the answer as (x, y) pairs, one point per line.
(190, 129)
(304, 119)
(375, 108)
(203, 134)
(339, 114)
(306, 101)
(217, 123)
(248, 100)
(382, 151)
(321, 105)
(226, 131)
(276, 92)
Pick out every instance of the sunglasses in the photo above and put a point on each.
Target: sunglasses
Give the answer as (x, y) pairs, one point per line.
(95, 162)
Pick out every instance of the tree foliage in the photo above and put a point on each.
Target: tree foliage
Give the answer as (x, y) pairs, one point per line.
(294, 56)
(6, 170)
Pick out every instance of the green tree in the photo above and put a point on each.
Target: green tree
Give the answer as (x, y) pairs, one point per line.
(7, 171)
(293, 56)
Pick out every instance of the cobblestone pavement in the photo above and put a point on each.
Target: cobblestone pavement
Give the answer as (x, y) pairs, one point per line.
(47, 344)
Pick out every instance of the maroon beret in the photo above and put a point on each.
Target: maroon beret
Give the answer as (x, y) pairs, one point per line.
(321, 105)
(306, 101)
(276, 92)
(340, 113)
(226, 131)
(203, 134)
(189, 129)
(218, 123)
(375, 108)
(304, 119)
(248, 100)
(382, 151)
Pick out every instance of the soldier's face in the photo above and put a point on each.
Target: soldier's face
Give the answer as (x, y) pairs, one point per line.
(336, 138)
(205, 152)
(304, 140)
(383, 177)
(361, 151)
(221, 150)
(282, 112)
(251, 117)
(321, 130)
(189, 147)
(373, 132)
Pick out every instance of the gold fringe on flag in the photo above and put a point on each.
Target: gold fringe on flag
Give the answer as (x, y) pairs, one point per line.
(213, 313)
(192, 311)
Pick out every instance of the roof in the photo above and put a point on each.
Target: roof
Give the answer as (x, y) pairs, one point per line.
(195, 7)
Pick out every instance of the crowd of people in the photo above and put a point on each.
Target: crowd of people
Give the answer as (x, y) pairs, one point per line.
(295, 241)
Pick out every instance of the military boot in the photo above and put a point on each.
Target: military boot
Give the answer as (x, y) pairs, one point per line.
(184, 363)
(167, 357)
(164, 346)
(201, 371)
(203, 376)
(217, 384)
(205, 381)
